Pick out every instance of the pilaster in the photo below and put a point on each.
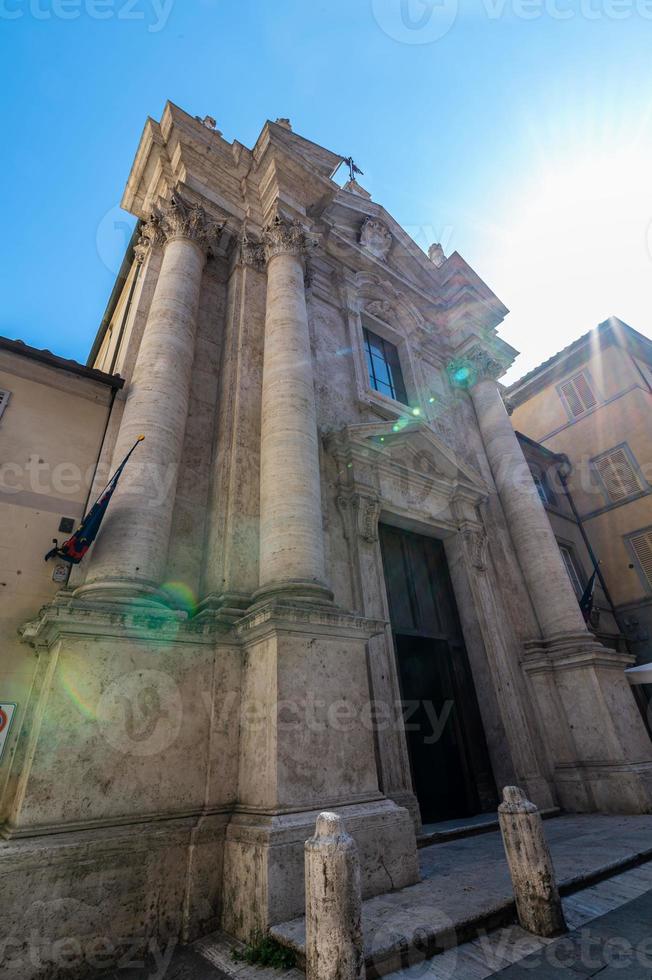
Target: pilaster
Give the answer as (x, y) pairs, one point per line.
(306, 742)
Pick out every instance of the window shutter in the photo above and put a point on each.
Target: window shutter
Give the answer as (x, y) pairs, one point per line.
(584, 391)
(572, 570)
(4, 398)
(617, 474)
(642, 545)
(578, 395)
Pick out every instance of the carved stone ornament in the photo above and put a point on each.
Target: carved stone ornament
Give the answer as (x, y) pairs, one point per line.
(436, 255)
(252, 253)
(150, 236)
(381, 308)
(376, 238)
(476, 544)
(185, 219)
(282, 236)
(361, 513)
(476, 364)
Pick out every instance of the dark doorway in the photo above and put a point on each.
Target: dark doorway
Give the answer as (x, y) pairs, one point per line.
(450, 763)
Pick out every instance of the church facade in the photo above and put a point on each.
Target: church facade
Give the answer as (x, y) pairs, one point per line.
(325, 580)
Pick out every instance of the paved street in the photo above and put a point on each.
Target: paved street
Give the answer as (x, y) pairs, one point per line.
(618, 944)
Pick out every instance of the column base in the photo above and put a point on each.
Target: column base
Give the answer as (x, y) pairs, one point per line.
(264, 860)
(223, 610)
(602, 754)
(408, 801)
(123, 592)
(297, 590)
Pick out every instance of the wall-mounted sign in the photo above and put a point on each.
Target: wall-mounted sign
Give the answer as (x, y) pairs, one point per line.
(7, 711)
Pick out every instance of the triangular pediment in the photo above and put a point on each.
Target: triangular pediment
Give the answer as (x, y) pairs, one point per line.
(414, 446)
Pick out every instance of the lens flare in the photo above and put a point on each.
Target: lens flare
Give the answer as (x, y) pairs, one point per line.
(79, 685)
(181, 596)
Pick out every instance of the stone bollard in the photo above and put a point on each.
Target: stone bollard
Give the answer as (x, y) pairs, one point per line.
(537, 899)
(334, 949)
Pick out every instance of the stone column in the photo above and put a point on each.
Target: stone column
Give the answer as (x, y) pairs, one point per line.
(334, 947)
(597, 745)
(530, 865)
(550, 590)
(291, 536)
(130, 553)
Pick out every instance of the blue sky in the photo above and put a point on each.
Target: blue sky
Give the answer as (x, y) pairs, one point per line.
(518, 132)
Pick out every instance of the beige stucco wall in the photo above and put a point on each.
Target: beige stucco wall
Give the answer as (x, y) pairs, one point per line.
(611, 372)
(50, 434)
(626, 417)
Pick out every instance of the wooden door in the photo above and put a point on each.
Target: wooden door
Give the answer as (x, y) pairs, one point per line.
(450, 763)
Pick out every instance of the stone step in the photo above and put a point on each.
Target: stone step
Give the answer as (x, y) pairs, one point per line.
(478, 959)
(455, 829)
(465, 888)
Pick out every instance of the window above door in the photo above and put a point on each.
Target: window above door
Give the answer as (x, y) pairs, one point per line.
(384, 367)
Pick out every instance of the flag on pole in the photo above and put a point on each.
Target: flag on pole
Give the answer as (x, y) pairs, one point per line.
(74, 549)
(586, 602)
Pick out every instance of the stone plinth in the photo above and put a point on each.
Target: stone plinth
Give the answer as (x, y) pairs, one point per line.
(306, 742)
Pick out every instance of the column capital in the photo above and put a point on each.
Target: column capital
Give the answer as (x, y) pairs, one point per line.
(180, 218)
(150, 236)
(284, 237)
(360, 511)
(252, 253)
(477, 363)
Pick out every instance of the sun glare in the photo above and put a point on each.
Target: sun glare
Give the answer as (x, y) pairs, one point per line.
(575, 247)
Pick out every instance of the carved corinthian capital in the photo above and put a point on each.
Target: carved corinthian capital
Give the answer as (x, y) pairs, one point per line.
(252, 253)
(477, 364)
(185, 219)
(281, 236)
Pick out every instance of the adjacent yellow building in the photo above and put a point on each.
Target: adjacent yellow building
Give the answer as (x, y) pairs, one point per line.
(53, 417)
(592, 402)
